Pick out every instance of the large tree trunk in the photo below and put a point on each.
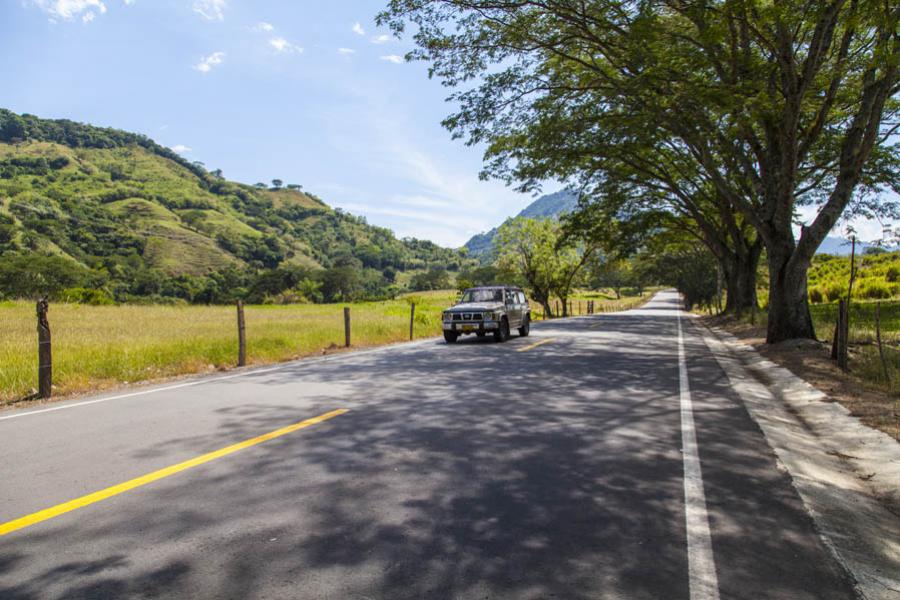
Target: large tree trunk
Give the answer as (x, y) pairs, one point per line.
(740, 280)
(548, 310)
(788, 302)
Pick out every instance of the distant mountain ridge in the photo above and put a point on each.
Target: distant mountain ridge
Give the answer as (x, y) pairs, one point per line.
(839, 246)
(550, 205)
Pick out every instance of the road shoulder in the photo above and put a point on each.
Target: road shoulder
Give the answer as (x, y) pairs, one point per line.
(847, 474)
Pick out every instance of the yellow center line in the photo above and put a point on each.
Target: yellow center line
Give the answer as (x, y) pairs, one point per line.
(535, 345)
(59, 509)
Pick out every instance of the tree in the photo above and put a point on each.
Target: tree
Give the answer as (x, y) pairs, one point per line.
(33, 276)
(260, 185)
(341, 283)
(535, 251)
(778, 105)
(277, 183)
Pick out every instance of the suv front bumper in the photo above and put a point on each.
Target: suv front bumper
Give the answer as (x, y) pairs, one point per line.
(470, 326)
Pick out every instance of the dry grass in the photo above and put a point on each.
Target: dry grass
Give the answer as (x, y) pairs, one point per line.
(97, 347)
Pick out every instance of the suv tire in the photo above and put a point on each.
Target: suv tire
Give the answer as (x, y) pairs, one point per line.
(450, 337)
(501, 334)
(525, 329)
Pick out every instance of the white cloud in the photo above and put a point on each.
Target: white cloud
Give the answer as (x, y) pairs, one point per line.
(282, 46)
(263, 26)
(70, 9)
(180, 148)
(128, 2)
(358, 29)
(211, 10)
(346, 51)
(392, 58)
(381, 39)
(208, 62)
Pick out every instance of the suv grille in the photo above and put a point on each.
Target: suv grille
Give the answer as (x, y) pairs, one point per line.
(468, 316)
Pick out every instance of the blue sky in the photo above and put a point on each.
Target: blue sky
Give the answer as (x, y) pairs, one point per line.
(310, 92)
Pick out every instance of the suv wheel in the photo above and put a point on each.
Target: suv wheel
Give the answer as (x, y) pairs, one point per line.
(501, 334)
(525, 329)
(450, 337)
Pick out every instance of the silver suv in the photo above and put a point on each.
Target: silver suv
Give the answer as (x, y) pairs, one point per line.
(496, 309)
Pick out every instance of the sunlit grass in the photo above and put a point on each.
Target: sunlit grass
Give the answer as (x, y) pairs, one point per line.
(101, 346)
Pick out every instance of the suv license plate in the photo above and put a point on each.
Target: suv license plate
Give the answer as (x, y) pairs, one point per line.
(468, 328)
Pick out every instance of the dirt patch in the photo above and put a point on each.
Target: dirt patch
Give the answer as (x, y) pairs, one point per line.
(810, 360)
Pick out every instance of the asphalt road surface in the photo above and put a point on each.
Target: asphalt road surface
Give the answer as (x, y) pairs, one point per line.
(585, 461)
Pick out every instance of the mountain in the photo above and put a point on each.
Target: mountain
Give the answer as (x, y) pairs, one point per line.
(122, 208)
(550, 205)
(839, 246)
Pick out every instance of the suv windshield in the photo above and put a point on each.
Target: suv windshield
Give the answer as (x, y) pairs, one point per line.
(482, 296)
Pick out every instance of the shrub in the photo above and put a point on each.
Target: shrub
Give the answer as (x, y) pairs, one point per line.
(834, 291)
(815, 295)
(892, 274)
(875, 289)
(86, 296)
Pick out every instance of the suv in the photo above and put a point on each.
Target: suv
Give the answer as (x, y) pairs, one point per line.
(496, 309)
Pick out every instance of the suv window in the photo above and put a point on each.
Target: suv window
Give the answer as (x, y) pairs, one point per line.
(521, 296)
(482, 296)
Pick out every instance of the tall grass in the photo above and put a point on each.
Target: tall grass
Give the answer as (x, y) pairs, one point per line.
(865, 359)
(95, 347)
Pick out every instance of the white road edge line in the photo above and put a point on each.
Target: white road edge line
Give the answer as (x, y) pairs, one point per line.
(301, 362)
(704, 585)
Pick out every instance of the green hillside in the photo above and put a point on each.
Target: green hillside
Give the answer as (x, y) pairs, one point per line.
(877, 277)
(90, 207)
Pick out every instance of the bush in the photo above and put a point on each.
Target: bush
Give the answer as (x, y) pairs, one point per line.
(875, 289)
(86, 296)
(892, 275)
(815, 295)
(834, 291)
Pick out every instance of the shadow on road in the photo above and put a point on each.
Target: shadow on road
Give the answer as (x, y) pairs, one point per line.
(461, 471)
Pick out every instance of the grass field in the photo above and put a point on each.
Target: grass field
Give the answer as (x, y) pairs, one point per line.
(98, 347)
(865, 360)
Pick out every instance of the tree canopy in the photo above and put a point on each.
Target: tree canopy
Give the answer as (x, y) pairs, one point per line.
(748, 109)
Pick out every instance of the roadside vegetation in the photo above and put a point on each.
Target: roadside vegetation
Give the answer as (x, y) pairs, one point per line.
(96, 347)
(99, 347)
(875, 285)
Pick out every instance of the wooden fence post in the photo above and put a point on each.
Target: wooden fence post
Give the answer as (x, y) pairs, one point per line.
(843, 358)
(242, 335)
(347, 326)
(412, 319)
(836, 338)
(884, 365)
(45, 356)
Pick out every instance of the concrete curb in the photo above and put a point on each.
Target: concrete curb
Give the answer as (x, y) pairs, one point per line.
(847, 474)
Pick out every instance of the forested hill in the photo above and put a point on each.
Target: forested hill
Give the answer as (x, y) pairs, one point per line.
(124, 214)
(550, 205)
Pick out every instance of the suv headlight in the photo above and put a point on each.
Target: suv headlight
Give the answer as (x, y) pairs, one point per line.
(446, 316)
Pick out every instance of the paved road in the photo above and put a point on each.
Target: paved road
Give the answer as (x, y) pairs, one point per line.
(478, 470)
